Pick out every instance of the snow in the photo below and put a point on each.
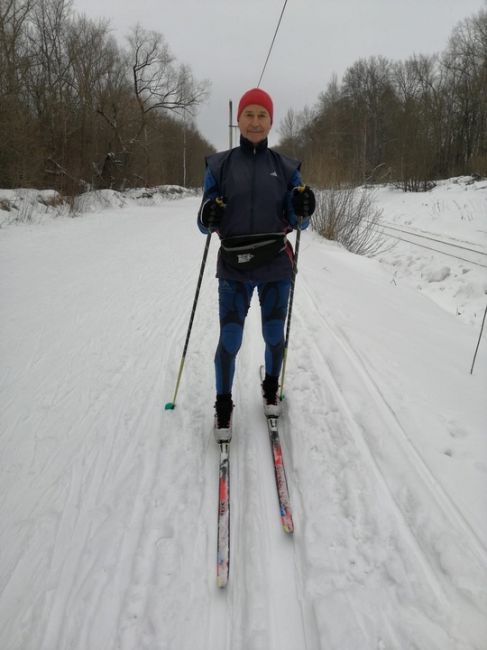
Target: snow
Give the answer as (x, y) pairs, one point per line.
(455, 212)
(438, 275)
(108, 502)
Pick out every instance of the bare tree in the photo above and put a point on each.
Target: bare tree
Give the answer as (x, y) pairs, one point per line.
(159, 87)
(16, 135)
(465, 61)
(14, 58)
(158, 83)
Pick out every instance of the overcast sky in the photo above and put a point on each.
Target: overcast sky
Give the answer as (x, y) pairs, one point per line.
(226, 42)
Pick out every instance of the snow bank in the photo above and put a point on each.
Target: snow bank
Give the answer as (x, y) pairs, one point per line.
(439, 243)
(30, 206)
(37, 206)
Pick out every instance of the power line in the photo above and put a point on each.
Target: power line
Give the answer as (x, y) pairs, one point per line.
(272, 44)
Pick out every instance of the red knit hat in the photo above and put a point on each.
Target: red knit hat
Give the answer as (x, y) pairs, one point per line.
(256, 96)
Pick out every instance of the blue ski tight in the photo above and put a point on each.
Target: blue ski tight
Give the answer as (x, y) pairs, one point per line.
(234, 302)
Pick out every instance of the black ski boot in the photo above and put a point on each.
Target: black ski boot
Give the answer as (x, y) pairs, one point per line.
(223, 418)
(270, 388)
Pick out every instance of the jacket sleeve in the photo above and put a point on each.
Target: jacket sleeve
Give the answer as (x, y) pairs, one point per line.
(296, 181)
(210, 191)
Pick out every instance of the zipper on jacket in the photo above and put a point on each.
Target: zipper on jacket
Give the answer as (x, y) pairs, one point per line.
(252, 189)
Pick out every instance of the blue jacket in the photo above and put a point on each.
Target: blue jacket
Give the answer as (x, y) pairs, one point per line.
(256, 184)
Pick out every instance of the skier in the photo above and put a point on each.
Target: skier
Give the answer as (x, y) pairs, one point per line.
(252, 198)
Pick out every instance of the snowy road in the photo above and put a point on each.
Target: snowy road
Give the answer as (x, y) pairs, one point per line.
(108, 502)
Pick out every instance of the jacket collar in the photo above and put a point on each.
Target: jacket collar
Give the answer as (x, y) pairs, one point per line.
(249, 147)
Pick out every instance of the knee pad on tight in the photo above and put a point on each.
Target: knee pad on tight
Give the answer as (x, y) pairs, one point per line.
(231, 337)
(273, 332)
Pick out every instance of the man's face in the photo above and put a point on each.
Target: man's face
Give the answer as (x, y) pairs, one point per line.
(254, 123)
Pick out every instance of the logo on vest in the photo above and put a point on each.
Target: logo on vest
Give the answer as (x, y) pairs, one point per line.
(274, 173)
(243, 259)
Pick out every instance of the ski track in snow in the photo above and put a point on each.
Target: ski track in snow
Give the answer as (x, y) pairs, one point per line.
(109, 503)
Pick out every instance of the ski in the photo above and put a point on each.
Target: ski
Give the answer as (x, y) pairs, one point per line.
(223, 543)
(280, 474)
(279, 471)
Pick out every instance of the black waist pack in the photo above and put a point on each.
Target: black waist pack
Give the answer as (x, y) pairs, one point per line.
(247, 252)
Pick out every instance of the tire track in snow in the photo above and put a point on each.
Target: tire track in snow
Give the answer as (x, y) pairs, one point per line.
(354, 429)
(77, 487)
(166, 558)
(97, 500)
(374, 442)
(86, 349)
(418, 465)
(174, 578)
(126, 547)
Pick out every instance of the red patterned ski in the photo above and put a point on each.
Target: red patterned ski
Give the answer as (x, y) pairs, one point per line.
(280, 474)
(279, 471)
(223, 543)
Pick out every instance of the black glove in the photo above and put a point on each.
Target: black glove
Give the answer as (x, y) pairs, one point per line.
(303, 200)
(212, 213)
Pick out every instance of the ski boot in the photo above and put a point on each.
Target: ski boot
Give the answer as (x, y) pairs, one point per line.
(223, 418)
(270, 389)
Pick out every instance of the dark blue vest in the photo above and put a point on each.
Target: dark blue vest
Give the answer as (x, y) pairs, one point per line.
(254, 181)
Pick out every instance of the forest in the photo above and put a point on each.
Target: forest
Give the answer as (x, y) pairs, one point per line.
(80, 111)
(408, 122)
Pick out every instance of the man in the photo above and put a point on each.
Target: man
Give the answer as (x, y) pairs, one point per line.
(252, 198)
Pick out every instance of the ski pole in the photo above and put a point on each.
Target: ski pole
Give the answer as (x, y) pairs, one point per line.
(290, 307)
(478, 342)
(170, 405)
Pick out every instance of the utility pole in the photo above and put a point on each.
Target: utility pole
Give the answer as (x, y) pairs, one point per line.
(231, 125)
(184, 150)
